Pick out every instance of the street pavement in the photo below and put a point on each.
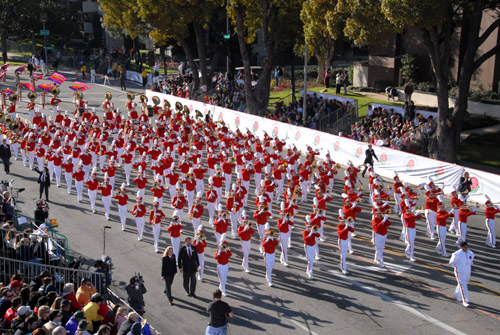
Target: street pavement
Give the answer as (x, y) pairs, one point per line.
(404, 298)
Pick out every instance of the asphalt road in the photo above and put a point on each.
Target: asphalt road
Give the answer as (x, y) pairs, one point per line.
(403, 298)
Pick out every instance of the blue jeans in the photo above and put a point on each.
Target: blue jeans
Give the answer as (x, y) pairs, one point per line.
(216, 331)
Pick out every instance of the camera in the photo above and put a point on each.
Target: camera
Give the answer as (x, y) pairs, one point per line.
(138, 280)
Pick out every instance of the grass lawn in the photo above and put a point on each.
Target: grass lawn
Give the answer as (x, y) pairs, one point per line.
(363, 101)
(480, 153)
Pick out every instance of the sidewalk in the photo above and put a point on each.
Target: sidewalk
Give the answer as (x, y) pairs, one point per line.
(480, 131)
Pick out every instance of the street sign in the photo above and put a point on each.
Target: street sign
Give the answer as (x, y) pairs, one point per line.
(50, 48)
(226, 37)
(44, 32)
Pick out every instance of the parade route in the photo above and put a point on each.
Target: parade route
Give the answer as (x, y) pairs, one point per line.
(403, 298)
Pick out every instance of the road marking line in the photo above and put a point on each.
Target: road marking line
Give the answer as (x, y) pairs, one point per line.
(300, 325)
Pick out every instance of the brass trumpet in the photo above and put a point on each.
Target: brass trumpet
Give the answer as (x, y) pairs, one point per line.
(119, 192)
(156, 100)
(178, 106)
(337, 165)
(271, 233)
(7, 119)
(350, 219)
(224, 247)
(315, 228)
(46, 134)
(265, 209)
(201, 236)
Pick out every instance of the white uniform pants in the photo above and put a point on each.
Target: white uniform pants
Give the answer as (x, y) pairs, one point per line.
(316, 247)
(430, 215)
(441, 245)
(269, 261)
(461, 291)
(397, 208)
(156, 234)
(101, 161)
(491, 238)
(175, 241)
(462, 232)
(122, 210)
(201, 260)
(349, 243)
(403, 230)
(171, 190)
(128, 170)
(86, 171)
(343, 254)
(190, 197)
(79, 189)
(284, 246)
(245, 247)
(303, 186)
(379, 248)
(200, 186)
(211, 212)
(227, 183)
(92, 196)
(310, 258)
(39, 161)
(50, 166)
(219, 195)
(196, 224)
(23, 157)
(279, 189)
(454, 227)
(257, 178)
(262, 233)
(139, 222)
(222, 273)
(410, 242)
(106, 202)
(15, 149)
(234, 218)
(140, 192)
(69, 178)
(31, 159)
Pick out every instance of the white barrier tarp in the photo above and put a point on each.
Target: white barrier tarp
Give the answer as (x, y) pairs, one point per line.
(411, 168)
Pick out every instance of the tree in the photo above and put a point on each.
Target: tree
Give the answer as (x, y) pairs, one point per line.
(123, 15)
(272, 19)
(438, 23)
(320, 39)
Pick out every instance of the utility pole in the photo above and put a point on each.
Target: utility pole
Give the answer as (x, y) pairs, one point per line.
(43, 18)
(304, 112)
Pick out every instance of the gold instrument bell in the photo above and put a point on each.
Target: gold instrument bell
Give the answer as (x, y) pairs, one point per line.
(156, 100)
(166, 104)
(55, 91)
(143, 98)
(315, 228)
(79, 95)
(350, 219)
(13, 97)
(32, 95)
(178, 106)
(108, 95)
(14, 125)
(224, 247)
(130, 96)
(7, 119)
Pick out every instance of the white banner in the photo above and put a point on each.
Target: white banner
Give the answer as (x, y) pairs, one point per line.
(411, 168)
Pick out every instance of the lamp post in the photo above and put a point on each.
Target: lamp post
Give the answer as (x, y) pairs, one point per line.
(229, 43)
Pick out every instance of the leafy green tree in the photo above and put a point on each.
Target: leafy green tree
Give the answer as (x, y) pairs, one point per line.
(438, 24)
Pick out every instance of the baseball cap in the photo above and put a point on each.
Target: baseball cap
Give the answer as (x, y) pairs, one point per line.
(65, 302)
(23, 310)
(16, 283)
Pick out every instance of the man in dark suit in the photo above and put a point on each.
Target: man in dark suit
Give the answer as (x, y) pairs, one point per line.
(188, 266)
(44, 181)
(369, 155)
(5, 155)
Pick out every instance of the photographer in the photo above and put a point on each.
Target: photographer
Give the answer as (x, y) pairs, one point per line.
(41, 212)
(219, 313)
(101, 282)
(135, 291)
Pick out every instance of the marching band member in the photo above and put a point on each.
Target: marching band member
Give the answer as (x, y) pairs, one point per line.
(199, 173)
(68, 171)
(431, 204)
(456, 203)
(245, 232)
(92, 184)
(111, 171)
(217, 182)
(350, 210)
(175, 228)
(127, 158)
(141, 182)
(189, 187)
(79, 176)
(173, 179)
(441, 218)
(178, 203)
(261, 215)
(155, 217)
(490, 212)
(122, 198)
(380, 224)
(410, 218)
(269, 245)
(211, 196)
(220, 224)
(227, 167)
(320, 203)
(317, 219)
(284, 227)
(158, 191)
(397, 188)
(139, 211)
(196, 211)
(344, 230)
(222, 256)
(462, 260)
(200, 244)
(463, 214)
(106, 190)
(310, 234)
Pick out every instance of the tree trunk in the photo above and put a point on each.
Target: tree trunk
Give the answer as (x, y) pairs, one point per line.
(190, 60)
(200, 44)
(4, 46)
(321, 67)
(292, 74)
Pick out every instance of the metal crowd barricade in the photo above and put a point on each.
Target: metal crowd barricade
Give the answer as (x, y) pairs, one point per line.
(340, 120)
(58, 243)
(31, 270)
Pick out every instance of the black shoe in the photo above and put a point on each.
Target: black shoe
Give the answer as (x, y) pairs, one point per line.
(193, 295)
